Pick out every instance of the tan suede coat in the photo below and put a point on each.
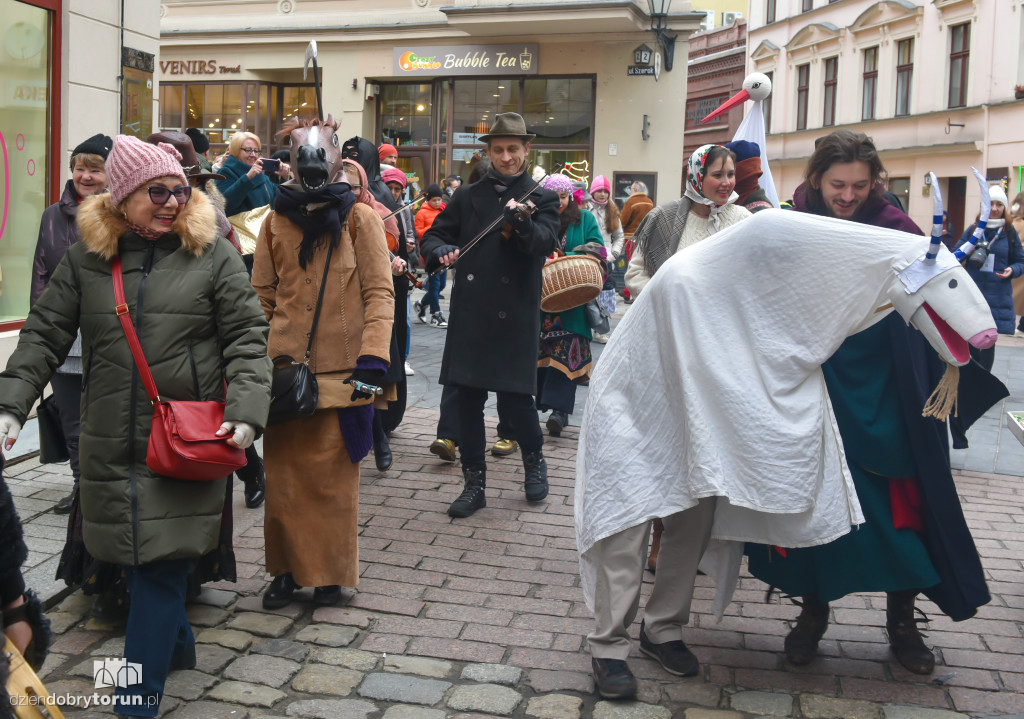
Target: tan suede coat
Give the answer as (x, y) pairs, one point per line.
(312, 510)
(358, 306)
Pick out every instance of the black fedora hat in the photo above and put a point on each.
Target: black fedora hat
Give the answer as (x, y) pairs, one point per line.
(508, 124)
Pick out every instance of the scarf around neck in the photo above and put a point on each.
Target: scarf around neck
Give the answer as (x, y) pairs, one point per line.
(502, 182)
(318, 214)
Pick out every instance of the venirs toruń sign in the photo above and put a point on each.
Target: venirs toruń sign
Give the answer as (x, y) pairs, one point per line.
(466, 60)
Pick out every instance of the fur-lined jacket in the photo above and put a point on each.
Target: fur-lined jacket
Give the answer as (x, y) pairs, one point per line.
(199, 322)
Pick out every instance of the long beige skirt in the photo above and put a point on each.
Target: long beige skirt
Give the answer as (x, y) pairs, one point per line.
(312, 507)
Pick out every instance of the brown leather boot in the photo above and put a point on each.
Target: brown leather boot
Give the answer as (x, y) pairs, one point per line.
(905, 638)
(801, 643)
(652, 558)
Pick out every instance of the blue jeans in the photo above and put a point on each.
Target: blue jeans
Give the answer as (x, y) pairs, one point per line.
(434, 285)
(157, 630)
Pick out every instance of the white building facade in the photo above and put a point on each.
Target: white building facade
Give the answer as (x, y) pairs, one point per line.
(935, 83)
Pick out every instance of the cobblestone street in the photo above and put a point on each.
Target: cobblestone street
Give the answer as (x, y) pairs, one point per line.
(484, 616)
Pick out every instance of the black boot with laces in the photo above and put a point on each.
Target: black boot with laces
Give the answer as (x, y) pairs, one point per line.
(536, 482)
(472, 497)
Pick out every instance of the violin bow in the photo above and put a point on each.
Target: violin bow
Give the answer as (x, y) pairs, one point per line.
(419, 198)
(483, 233)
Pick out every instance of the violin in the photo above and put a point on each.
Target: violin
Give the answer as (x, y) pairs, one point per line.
(523, 211)
(408, 274)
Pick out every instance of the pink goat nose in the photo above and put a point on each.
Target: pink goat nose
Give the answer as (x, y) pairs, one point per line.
(984, 340)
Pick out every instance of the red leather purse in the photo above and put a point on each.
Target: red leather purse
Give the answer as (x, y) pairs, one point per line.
(183, 441)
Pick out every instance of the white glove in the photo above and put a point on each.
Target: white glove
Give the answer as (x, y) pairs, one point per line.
(243, 434)
(10, 428)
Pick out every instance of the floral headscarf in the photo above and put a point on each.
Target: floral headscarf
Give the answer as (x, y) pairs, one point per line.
(696, 167)
(559, 183)
(366, 197)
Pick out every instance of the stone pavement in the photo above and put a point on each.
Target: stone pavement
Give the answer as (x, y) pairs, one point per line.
(484, 617)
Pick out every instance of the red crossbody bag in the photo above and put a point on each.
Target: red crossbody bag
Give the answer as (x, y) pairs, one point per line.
(183, 441)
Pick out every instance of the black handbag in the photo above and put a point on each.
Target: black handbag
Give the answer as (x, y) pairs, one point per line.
(53, 446)
(293, 389)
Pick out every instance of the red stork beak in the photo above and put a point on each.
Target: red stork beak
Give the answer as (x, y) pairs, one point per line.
(737, 99)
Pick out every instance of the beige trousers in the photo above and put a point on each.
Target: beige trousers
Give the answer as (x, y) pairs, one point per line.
(620, 562)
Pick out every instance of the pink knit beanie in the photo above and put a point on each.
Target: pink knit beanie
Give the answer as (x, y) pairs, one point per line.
(600, 183)
(132, 163)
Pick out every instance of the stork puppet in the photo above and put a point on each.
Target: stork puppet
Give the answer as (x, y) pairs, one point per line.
(756, 87)
(712, 383)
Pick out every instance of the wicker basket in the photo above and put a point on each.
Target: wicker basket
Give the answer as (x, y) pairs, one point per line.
(569, 282)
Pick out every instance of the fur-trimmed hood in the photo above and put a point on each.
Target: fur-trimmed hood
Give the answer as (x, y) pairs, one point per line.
(101, 225)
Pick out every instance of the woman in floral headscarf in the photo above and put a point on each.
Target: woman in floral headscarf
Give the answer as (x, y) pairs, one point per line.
(565, 360)
(706, 207)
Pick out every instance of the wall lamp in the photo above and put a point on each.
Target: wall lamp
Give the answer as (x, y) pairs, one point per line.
(659, 13)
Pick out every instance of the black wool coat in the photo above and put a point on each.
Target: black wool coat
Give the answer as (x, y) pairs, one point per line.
(494, 324)
(962, 588)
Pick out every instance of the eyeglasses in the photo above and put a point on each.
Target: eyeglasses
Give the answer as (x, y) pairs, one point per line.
(158, 194)
(251, 151)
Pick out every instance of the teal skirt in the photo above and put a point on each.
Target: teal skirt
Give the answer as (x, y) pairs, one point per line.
(874, 557)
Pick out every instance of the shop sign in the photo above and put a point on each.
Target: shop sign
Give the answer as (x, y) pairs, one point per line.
(466, 60)
(197, 67)
(697, 110)
(26, 94)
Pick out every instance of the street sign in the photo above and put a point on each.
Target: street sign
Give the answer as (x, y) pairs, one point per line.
(642, 55)
(640, 71)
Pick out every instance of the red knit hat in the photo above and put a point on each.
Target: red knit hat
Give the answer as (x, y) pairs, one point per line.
(132, 163)
(395, 175)
(386, 150)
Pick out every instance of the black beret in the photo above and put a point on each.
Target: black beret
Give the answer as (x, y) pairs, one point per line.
(199, 139)
(95, 145)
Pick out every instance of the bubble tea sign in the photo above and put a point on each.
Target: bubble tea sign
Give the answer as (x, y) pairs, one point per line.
(437, 60)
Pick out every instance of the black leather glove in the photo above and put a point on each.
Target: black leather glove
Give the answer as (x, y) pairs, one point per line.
(521, 223)
(367, 376)
(435, 257)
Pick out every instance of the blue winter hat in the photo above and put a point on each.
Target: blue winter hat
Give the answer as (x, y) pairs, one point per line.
(744, 149)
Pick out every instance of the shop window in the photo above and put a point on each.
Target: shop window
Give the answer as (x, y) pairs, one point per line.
(904, 75)
(171, 105)
(405, 112)
(475, 104)
(831, 77)
(297, 100)
(559, 110)
(900, 186)
(803, 83)
(25, 119)
(959, 54)
(869, 90)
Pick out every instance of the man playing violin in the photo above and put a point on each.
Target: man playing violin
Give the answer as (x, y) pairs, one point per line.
(494, 324)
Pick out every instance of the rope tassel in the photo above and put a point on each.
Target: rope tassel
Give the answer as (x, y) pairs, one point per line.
(943, 401)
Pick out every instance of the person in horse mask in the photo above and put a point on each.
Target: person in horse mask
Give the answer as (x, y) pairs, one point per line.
(494, 326)
(366, 155)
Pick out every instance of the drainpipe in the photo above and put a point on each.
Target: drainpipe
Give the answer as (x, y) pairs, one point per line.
(120, 75)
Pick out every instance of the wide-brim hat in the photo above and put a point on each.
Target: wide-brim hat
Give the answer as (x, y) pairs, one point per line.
(189, 160)
(508, 124)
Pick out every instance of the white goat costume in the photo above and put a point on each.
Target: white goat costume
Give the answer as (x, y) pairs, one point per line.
(712, 383)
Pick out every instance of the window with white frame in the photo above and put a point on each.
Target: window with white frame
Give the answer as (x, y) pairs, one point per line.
(869, 90)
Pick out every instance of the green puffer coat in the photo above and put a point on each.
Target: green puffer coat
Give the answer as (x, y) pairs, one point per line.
(199, 322)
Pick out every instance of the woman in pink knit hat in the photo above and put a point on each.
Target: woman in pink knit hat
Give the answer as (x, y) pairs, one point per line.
(204, 336)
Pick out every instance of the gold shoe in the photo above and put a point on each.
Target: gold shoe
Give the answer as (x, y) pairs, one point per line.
(504, 447)
(444, 448)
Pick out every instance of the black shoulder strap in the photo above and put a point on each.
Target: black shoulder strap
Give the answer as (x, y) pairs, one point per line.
(319, 300)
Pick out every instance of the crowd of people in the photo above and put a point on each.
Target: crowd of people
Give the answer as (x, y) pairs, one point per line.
(237, 266)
